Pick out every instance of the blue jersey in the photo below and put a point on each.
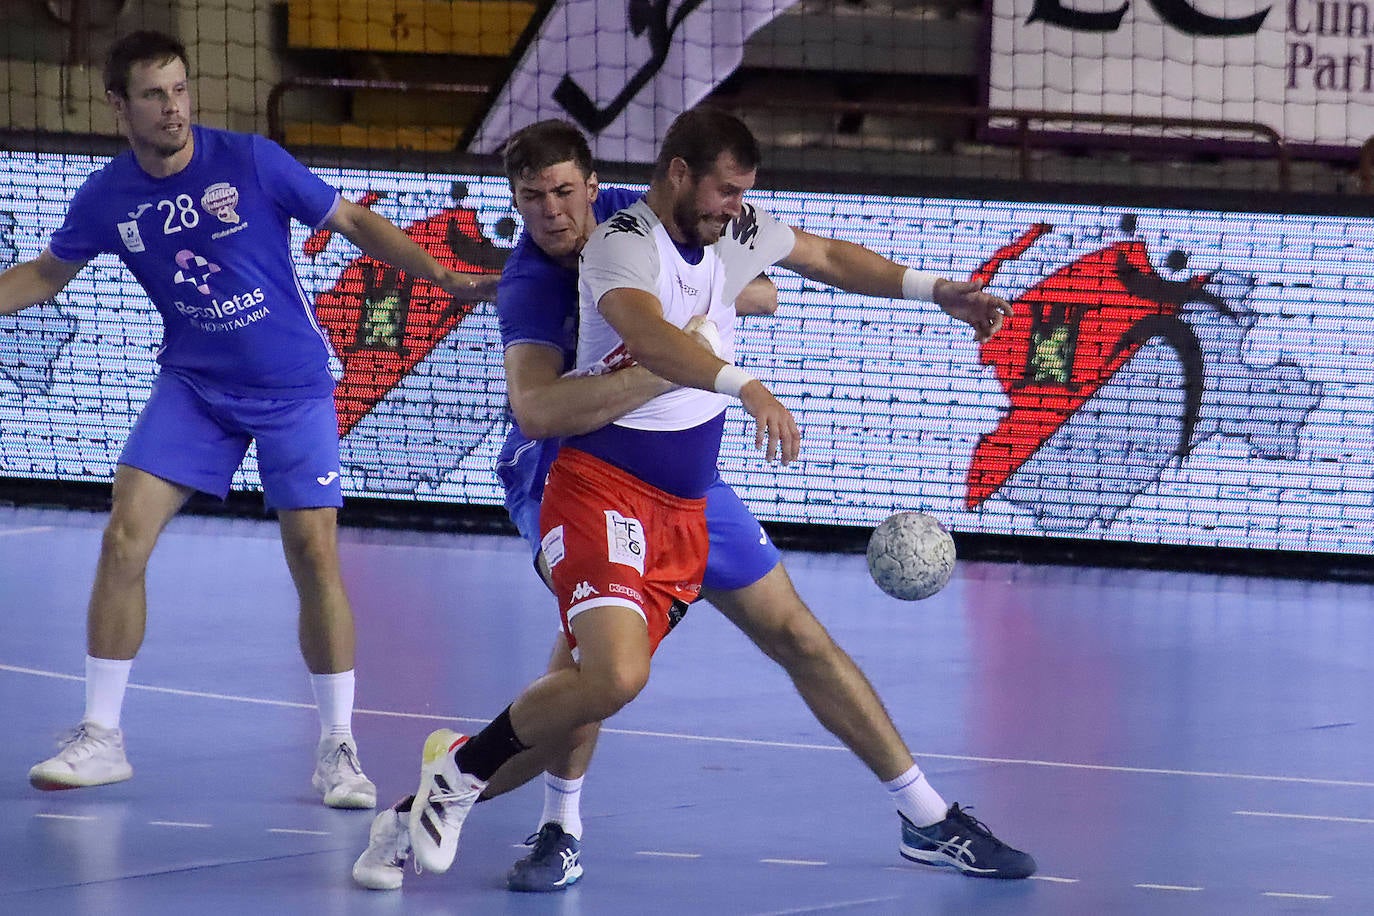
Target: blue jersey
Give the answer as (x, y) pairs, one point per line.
(211, 247)
(536, 303)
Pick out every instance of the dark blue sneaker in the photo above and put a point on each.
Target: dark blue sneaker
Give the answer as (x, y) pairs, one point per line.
(552, 864)
(962, 841)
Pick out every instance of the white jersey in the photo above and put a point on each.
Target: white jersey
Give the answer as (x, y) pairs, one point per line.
(632, 250)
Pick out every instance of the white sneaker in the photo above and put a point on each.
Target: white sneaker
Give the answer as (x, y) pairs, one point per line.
(382, 866)
(442, 803)
(339, 775)
(90, 755)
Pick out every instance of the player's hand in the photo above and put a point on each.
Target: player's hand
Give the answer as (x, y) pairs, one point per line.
(775, 431)
(471, 286)
(965, 300)
(704, 331)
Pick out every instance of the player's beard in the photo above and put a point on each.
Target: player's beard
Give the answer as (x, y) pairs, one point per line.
(698, 229)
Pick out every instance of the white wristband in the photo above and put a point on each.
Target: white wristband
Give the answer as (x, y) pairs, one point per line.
(731, 378)
(917, 284)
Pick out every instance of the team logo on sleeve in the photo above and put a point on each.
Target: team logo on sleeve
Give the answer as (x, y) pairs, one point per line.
(625, 540)
(129, 235)
(220, 199)
(624, 222)
(745, 227)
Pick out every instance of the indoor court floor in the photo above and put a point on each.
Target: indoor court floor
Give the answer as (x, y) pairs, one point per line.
(1161, 742)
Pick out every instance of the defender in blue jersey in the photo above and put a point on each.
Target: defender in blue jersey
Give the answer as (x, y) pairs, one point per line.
(556, 191)
(201, 218)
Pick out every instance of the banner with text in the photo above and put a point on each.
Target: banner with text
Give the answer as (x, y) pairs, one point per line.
(1305, 68)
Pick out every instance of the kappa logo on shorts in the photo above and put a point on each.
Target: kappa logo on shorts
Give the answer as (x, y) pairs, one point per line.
(625, 540)
(552, 546)
(583, 590)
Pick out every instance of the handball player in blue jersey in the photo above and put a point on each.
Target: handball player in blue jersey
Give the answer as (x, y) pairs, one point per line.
(557, 193)
(201, 218)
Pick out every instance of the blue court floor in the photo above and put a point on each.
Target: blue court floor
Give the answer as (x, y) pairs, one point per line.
(1161, 742)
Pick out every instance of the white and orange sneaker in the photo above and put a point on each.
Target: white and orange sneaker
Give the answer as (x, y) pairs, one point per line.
(442, 802)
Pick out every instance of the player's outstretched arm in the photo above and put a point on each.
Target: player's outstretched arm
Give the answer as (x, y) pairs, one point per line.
(548, 404)
(856, 269)
(32, 282)
(965, 300)
(380, 238)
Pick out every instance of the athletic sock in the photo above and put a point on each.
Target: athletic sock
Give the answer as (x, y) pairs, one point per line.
(483, 753)
(563, 803)
(334, 697)
(915, 798)
(106, 680)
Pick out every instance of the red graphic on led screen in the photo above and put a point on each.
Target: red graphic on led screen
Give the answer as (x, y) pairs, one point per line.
(383, 322)
(1069, 335)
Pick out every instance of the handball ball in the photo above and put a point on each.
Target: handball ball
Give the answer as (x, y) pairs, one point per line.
(911, 556)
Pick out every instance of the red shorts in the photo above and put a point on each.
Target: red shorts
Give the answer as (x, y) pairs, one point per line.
(611, 539)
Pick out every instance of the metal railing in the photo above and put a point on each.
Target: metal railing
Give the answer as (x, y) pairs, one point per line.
(1023, 118)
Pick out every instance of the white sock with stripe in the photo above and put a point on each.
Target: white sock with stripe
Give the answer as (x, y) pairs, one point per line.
(563, 803)
(916, 799)
(334, 697)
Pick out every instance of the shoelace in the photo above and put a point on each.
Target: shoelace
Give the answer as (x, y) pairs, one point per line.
(80, 740)
(971, 823)
(544, 842)
(345, 753)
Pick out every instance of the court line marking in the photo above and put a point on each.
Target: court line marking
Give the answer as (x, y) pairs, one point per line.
(67, 817)
(1053, 879)
(669, 855)
(841, 905)
(1297, 896)
(179, 824)
(1167, 887)
(300, 832)
(743, 742)
(1308, 817)
(13, 531)
(792, 862)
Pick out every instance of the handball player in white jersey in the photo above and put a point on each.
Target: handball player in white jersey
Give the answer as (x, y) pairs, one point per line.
(624, 529)
(556, 190)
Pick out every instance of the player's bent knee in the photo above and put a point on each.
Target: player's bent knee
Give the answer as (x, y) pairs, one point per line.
(611, 690)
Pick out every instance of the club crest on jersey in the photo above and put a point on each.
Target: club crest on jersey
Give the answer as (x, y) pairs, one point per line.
(130, 236)
(625, 540)
(220, 199)
(195, 271)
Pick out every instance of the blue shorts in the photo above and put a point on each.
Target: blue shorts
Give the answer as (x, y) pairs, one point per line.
(197, 437)
(741, 552)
